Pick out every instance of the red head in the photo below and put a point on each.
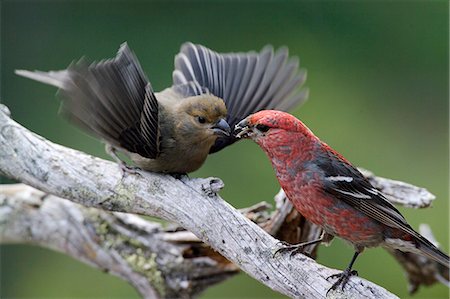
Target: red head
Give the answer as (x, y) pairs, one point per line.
(264, 123)
(274, 130)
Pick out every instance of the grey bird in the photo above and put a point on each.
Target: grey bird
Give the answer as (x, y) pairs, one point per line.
(174, 130)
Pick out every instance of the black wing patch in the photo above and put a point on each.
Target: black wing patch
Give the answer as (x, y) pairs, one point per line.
(113, 99)
(247, 82)
(345, 182)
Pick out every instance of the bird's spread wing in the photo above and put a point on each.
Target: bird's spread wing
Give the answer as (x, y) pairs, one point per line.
(247, 82)
(112, 99)
(143, 136)
(346, 183)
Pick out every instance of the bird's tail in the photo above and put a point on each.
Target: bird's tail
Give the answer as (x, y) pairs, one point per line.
(412, 241)
(428, 249)
(55, 78)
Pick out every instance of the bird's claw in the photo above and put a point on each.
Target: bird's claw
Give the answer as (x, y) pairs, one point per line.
(343, 279)
(292, 249)
(283, 243)
(126, 169)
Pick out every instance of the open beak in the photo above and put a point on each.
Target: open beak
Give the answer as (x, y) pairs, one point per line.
(221, 128)
(242, 129)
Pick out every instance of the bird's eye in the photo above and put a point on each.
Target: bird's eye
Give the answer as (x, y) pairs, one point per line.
(262, 128)
(201, 119)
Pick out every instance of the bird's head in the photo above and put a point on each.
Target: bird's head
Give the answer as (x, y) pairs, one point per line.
(267, 124)
(203, 118)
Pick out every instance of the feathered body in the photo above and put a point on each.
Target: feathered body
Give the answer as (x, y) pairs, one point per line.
(328, 191)
(183, 137)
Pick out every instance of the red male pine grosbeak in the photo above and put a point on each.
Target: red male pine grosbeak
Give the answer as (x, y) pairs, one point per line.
(327, 190)
(174, 130)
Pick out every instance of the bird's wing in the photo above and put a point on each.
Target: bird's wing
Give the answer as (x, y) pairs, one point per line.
(112, 99)
(247, 82)
(346, 183)
(190, 89)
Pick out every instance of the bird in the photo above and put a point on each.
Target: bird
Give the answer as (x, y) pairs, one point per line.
(329, 191)
(174, 130)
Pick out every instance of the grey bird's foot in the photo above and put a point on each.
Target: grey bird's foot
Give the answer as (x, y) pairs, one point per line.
(126, 169)
(343, 279)
(292, 249)
(298, 248)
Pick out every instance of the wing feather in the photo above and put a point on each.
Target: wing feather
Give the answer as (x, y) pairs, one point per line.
(111, 99)
(359, 192)
(247, 82)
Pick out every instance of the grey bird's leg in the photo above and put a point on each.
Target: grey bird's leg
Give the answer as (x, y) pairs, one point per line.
(298, 248)
(344, 276)
(112, 151)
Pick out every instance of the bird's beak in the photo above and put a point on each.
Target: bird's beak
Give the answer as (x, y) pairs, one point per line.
(221, 128)
(242, 129)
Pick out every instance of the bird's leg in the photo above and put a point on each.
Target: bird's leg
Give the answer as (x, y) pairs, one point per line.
(110, 150)
(297, 248)
(344, 276)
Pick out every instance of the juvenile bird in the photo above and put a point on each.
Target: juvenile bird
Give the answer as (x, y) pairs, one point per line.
(330, 192)
(174, 130)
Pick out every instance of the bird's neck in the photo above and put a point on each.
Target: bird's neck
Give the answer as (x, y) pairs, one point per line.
(289, 151)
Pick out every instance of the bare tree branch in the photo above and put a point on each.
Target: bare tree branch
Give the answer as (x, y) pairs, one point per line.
(193, 203)
(180, 265)
(156, 261)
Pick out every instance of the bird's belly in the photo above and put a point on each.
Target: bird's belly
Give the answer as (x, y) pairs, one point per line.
(171, 162)
(337, 218)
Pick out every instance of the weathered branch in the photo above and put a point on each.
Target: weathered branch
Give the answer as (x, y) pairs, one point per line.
(194, 204)
(180, 265)
(156, 261)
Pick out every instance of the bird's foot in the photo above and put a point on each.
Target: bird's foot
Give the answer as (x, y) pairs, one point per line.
(127, 169)
(343, 279)
(124, 167)
(292, 249)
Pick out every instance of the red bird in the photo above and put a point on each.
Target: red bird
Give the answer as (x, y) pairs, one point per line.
(330, 192)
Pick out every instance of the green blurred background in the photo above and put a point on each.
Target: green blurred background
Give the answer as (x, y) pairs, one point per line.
(378, 79)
